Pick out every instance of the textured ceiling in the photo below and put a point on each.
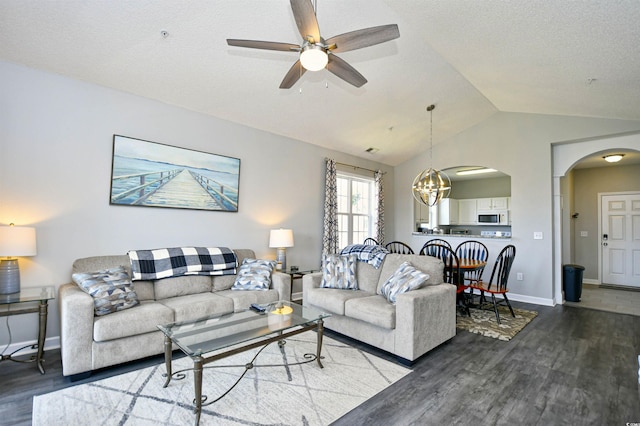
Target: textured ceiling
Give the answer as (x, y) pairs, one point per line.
(470, 58)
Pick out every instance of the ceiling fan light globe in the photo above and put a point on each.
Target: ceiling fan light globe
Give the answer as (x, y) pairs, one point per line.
(313, 58)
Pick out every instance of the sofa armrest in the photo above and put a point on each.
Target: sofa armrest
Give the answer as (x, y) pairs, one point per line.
(309, 282)
(425, 318)
(76, 329)
(281, 282)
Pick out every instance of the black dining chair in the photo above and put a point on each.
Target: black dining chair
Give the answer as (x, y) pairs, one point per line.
(451, 273)
(435, 241)
(472, 250)
(399, 247)
(499, 278)
(370, 242)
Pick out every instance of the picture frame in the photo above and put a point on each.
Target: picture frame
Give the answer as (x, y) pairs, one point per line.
(152, 174)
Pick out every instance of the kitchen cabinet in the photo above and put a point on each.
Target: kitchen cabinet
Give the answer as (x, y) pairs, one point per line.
(487, 204)
(467, 212)
(448, 212)
(420, 213)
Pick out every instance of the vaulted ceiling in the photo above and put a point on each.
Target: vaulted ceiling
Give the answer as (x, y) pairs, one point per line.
(470, 58)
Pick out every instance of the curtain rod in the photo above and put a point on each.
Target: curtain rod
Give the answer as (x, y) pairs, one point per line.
(358, 167)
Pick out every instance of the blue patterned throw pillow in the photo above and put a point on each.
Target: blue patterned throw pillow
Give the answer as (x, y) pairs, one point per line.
(111, 289)
(404, 279)
(339, 271)
(254, 274)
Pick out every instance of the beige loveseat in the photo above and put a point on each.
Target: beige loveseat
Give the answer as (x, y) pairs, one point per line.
(419, 321)
(90, 342)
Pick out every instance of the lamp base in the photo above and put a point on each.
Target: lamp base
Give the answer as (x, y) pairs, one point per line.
(9, 276)
(281, 258)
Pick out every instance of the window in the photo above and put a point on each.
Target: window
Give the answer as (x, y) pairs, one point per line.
(356, 206)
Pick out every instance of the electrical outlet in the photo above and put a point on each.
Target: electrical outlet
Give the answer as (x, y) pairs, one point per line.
(584, 233)
(537, 235)
(519, 276)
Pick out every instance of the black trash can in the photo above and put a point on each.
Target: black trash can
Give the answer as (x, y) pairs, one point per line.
(572, 282)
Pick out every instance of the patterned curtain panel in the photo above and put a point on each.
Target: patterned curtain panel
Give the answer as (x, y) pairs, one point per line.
(330, 237)
(379, 220)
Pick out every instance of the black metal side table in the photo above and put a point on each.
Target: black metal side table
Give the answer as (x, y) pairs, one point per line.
(42, 295)
(297, 274)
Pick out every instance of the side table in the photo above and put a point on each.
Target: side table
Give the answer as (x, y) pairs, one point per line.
(297, 274)
(42, 295)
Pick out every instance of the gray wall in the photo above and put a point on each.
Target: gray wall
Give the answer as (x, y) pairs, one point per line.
(519, 145)
(481, 188)
(55, 169)
(587, 184)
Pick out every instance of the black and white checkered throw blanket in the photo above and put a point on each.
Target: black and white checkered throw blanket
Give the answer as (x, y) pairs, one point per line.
(373, 255)
(173, 262)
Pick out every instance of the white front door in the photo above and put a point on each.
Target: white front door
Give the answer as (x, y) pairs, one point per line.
(620, 239)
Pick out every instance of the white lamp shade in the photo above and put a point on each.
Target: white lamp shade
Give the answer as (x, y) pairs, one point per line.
(281, 238)
(17, 241)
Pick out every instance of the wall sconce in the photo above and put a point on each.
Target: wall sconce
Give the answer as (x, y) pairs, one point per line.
(280, 239)
(14, 241)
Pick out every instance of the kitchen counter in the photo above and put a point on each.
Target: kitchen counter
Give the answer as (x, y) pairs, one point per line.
(464, 236)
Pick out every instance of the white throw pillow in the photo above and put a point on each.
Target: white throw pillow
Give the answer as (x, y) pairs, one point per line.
(404, 279)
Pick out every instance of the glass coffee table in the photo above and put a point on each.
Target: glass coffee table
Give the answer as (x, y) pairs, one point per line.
(212, 338)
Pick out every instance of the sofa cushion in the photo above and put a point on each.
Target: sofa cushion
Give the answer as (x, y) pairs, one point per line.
(225, 282)
(141, 319)
(373, 309)
(431, 266)
(110, 288)
(242, 300)
(254, 274)
(368, 277)
(181, 286)
(339, 272)
(194, 306)
(332, 300)
(404, 279)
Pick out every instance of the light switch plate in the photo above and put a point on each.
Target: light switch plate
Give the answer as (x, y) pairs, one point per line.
(584, 233)
(537, 235)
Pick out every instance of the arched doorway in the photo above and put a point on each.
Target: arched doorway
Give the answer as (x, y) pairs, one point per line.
(565, 157)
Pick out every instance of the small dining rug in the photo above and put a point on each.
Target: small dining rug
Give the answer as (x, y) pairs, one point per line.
(284, 395)
(483, 321)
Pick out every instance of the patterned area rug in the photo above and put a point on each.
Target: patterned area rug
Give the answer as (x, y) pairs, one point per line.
(483, 321)
(285, 395)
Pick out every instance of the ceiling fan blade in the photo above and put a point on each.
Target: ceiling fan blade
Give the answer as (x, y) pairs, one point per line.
(293, 75)
(267, 45)
(306, 19)
(345, 71)
(363, 38)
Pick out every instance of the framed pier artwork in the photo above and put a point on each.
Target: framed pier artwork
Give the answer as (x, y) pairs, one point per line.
(152, 174)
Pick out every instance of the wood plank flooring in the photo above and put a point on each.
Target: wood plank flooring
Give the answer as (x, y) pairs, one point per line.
(568, 366)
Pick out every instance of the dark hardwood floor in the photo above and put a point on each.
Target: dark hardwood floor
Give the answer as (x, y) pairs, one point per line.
(569, 366)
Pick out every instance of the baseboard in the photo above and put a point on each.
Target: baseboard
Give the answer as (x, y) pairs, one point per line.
(49, 343)
(527, 299)
(296, 296)
(590, 281)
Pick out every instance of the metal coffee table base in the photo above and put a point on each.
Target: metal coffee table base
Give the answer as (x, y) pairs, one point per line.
(200, 362)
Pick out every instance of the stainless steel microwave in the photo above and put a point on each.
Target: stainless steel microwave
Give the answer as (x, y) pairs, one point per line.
(493, 217)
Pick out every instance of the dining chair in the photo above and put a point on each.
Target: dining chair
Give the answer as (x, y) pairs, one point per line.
(434, 242)
(370, 242)
(398, 247)
(472, 250)
(451, 272)
(499, 278)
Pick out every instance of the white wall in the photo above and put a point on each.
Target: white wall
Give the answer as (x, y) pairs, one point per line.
(519, 145)
(55, 170)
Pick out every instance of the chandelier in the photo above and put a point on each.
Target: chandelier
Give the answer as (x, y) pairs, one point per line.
(432, 185)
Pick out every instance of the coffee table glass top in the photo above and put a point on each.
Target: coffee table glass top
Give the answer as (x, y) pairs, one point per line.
(213, 333)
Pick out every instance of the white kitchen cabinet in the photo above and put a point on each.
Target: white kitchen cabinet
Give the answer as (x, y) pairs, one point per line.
(420, 212)
(448, 212)
(499, 203)
(467, 212)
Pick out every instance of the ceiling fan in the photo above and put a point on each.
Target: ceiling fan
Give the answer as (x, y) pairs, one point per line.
(317, 53)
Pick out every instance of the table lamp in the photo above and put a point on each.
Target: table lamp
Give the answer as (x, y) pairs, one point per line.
(280, 239)
(14, 241)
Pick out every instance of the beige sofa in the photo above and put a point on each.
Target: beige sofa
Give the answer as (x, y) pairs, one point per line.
(419, 321)
(90, 342)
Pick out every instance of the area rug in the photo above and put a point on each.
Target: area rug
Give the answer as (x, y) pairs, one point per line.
(483, 321)
(285, 395)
